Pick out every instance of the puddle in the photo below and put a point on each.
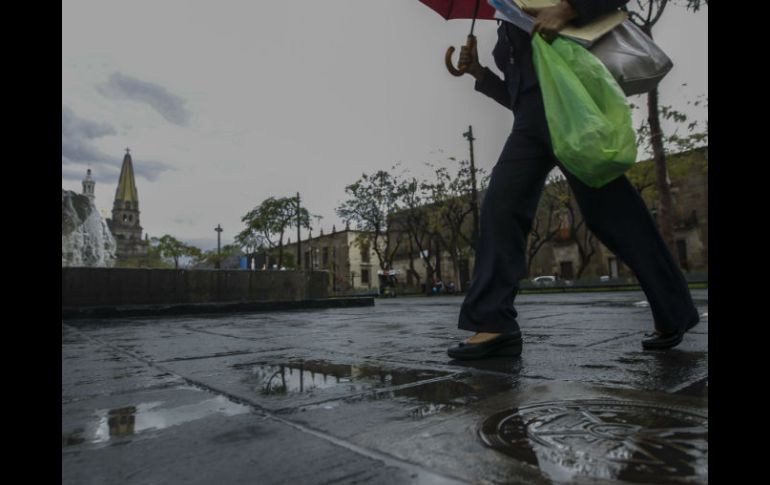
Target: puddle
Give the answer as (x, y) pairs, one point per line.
(642, 304)
(301, 377)
(113, 424)
(622, 440)
(446, 395)
(423, 400)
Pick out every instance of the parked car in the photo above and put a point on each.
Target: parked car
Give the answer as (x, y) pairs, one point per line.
(544, 280)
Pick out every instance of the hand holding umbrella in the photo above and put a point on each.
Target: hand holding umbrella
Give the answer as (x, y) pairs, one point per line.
(462, 67)
(469, 60)
(462, 9)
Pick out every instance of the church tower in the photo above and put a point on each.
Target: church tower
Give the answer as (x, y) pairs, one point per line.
(124, 224)
(88, 186)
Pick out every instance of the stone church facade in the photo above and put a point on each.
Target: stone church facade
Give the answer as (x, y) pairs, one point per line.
(124, 224)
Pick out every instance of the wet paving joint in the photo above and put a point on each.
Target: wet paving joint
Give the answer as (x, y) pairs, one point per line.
(259, 338)
(211, 356)
(617, 337)
(628, 441)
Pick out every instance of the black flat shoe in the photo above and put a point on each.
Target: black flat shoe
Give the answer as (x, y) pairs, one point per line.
(504, 345)
(661, 341)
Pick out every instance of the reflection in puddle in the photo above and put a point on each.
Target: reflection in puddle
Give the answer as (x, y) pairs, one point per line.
(309, 376)
(450, 394)
(623, 440)
(130, 420)
(423, 400)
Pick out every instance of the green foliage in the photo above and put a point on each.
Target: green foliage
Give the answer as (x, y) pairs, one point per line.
(450, 196)
(214, 257)
(679, 166)
(152, 260)
(646, 13)
(251, 241)
(687, 134)
(268, 223)
(169, 247)
(372, 199)
(435, 215)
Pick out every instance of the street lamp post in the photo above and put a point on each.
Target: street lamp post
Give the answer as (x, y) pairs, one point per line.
(299, 244)
(474, 195)
(219, 243)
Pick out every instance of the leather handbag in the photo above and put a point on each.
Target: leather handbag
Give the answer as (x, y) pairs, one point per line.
(633, 59)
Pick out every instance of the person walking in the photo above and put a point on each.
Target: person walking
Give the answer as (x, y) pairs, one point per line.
(615, 213)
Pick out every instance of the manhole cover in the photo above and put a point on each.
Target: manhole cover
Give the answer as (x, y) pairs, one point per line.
(621, 440)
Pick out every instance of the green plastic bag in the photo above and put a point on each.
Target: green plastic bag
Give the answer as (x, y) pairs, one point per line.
(588, 117)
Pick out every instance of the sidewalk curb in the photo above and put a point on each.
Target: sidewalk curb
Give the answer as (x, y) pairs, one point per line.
(69, 313)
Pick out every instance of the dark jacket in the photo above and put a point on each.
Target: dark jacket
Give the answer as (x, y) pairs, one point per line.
(513, 54)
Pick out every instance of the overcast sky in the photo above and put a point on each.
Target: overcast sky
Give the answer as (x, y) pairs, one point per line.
(226, 103)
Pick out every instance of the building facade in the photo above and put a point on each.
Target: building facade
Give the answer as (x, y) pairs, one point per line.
(573, 252)
(351, 263)
(561, 245)
(124, 224)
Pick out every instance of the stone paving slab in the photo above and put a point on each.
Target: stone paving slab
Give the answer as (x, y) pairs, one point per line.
(368, 395)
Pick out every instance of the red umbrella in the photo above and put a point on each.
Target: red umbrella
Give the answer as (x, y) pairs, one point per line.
(461, 9)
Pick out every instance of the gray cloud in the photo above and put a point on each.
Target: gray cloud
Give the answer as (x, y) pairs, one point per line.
(170, 106)
(150, 169)
(103, 174)
(71, 124)
(76, 137)
(78, 152)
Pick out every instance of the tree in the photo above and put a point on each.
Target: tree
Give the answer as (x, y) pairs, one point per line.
(215, 257)
(372, 199)
(249, 241)
(170, 247)
(645, 14)
(451, 212)
(267, 224)
(694, 135)
(412, 218)
(544, 230)
(572, 225)
(679, 166)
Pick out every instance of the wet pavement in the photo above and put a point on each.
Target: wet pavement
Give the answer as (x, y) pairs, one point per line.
(368, 395)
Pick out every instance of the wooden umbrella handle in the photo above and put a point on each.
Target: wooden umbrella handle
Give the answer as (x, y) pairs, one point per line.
(448, 60)
(470, 44)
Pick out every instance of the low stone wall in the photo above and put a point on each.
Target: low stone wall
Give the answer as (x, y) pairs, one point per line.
(88, 287)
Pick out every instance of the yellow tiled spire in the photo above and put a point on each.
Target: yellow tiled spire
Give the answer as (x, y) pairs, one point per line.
(126, 185)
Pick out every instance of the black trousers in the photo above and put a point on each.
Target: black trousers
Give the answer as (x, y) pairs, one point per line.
(615, 213)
